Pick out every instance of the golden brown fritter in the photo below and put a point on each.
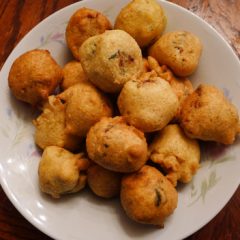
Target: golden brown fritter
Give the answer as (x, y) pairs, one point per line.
(61, 172)
(102, 182)
(72, 74)
(181, 86)
(208, 115)
(177, 154)
(34, 76)
(144, 20)
(149, 103)
(147, 196)
(111, 59)
(85, 105)
(114, 145)
(84, 23)
(50, 127)
(179, 50)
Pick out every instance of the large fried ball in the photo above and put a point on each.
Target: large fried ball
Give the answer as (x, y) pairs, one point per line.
(181, 86)
(179, 50)
(72, 74)
(61, 172)
(147, 196)
(102, 182)
(50, 127)
(85, 105)
(177, 154)
(34, 76)
(114, 145)
(144, 20)
(208, 115)
(111, 59)
(149, 104)
(84, 23)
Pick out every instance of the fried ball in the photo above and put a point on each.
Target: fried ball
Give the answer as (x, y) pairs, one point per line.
(85, 105)
(111, 59)
(177, 154)
(144, 20)
(84, 23)
(208, 115)
(181, 86)
(34, 76)
(149, 104)
(50, 127)
(61, 172)
(179, 50)
(114, 145)
(72, 74)
(147, 196)
(102, 182)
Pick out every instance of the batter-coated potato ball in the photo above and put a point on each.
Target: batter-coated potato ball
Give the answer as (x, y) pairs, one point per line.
(144, 20)
(62, 172)
(177, 154)
(208, 115)
(181, 86)
(34, 76)
(102, 182)
(84, 23)
(85, 105)
(114, 145)
(111, 59)
(50, 127)
(149, 103)
(179, 50)
(147, 196)
(72, 74)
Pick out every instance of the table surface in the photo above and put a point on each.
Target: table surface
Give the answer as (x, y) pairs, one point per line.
(15, 22)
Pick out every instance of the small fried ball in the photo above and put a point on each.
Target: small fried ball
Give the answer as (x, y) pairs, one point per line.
(111, 59)
(50, 127)
(34, 76)
(84, 23)
(114, 145)
(208, 115)
(177, 154)
(72, 74)
(147, 196)
(179, 50)
(61, 172)
(144, 20)
(181, 86)
(149, 104)
(102, 182)
(85, 105)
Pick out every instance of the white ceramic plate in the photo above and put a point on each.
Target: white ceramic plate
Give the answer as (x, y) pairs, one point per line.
(84, 216)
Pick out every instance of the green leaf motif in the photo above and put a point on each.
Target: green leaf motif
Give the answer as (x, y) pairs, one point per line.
(206, 185)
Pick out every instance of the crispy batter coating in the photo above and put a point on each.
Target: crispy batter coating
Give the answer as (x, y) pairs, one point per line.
(179, 50)
(85, 105)
(111, 59)
(144, 20)
(50, 127)
(147, 196)
(181, 86)
(114, 145)
(34, 76)
(149, 104)
(84, 23)
(177, 154)
(208, 115)
(62, 172)
(103, 183)
(72, 74)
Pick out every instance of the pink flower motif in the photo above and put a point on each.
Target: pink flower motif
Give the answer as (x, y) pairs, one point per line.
(57, 36)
